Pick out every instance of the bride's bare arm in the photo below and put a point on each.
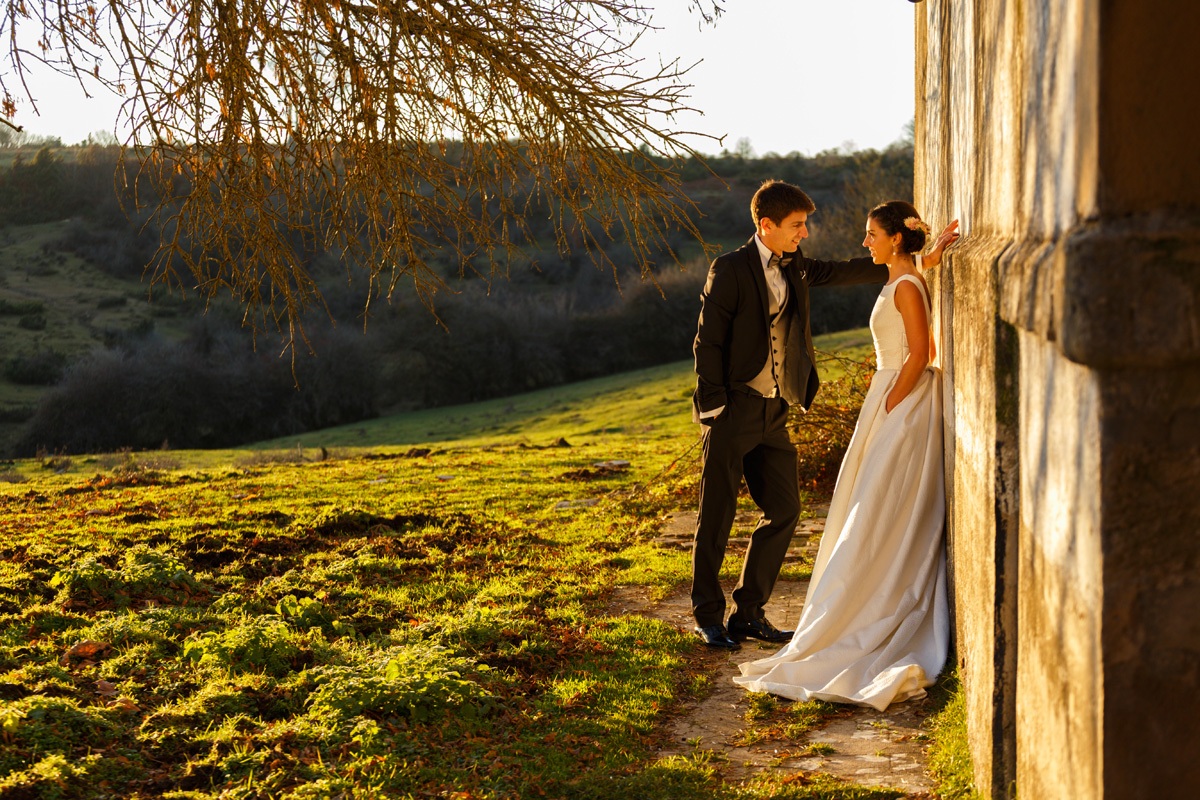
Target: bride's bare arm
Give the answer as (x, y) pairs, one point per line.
(948, 236)
(911, 306)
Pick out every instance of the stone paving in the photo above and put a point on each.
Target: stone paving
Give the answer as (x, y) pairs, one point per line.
(870, 748)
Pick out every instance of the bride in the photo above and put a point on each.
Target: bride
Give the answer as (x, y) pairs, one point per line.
(875, 624)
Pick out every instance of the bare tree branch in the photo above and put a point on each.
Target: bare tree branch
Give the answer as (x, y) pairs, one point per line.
(382, 131)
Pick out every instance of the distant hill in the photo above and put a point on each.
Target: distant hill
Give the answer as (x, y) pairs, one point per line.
(97, 358)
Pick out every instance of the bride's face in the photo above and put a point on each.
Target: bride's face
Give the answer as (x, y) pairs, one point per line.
(878, 242)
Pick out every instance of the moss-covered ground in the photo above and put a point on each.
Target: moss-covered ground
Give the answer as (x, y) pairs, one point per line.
(418, 610)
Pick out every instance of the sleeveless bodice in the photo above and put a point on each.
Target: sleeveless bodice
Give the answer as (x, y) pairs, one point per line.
(887, 326)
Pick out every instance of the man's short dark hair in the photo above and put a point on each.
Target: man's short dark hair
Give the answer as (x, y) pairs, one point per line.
(775, 200)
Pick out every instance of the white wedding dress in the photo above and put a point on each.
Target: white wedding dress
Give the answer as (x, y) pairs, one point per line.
(875, 624)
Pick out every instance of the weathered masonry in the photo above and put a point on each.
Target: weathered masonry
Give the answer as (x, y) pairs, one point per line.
(1064, 135)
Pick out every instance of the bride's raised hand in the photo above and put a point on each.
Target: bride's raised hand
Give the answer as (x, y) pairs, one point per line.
(947, 237)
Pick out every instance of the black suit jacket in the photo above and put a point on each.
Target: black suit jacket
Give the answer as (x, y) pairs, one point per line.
(732, 344)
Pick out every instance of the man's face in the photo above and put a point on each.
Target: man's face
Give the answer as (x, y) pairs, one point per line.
(784, 237)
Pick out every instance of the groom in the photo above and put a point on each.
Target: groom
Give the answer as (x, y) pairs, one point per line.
(754, 358)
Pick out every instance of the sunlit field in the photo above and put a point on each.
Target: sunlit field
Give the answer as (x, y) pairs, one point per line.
(414, 607)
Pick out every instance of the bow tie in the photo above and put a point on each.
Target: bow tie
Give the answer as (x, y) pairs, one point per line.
(779, 261)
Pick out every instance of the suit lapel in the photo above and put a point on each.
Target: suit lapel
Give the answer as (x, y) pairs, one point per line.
(793, 273)
(754, 261)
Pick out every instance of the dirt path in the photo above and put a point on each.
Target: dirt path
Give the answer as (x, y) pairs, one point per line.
(870, 748)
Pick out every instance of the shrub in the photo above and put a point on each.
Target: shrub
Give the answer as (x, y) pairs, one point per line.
(210, 391)
(822, 434)
(43, 368)
(11, 414)
(129, 336)
(336, 385)
(144, 572)
(421, 682)
(840, 308)
(507, 341)
(21, 307)
(259, 644)
(120, 251)
(112, 301)
(33, 322)
(36, 191)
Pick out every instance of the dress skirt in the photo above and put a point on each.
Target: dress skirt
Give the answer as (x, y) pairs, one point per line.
(875, 624)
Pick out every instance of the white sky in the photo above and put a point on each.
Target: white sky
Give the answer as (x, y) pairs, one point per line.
(832, 73)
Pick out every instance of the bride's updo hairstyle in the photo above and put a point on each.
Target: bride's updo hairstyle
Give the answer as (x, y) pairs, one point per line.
(891, 216)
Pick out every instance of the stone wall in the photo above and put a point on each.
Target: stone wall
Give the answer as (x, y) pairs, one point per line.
(1062, 134)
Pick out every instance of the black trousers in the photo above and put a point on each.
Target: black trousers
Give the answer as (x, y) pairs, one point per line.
(748, 440)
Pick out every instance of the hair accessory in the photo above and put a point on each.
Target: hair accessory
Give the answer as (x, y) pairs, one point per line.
(915, 224)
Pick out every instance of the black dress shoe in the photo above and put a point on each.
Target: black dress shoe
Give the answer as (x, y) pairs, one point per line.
(717, 636)
(759, 629)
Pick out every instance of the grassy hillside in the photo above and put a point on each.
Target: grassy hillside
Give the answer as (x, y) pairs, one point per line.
(651, 402)
(420, 613)
(559, 322)
(648, 404)
(654, 402)
(80, 303)
(55, 307)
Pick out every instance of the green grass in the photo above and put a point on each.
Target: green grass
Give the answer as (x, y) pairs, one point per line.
(949, 754)
(649, 403)
(853, 344)
(375, 623)
(421, 613)
(369, 626)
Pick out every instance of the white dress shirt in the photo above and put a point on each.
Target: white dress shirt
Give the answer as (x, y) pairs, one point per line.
(775, 279)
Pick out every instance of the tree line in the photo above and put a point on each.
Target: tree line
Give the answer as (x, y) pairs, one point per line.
(561, 308)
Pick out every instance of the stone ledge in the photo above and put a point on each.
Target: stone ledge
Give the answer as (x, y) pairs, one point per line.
(1084, 290)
